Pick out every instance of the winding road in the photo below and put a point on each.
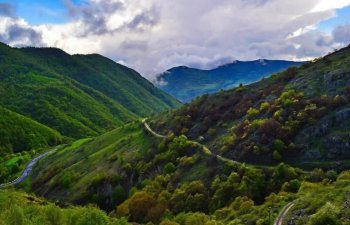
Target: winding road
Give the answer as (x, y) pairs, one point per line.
(279, 220)
(28, 169)
(205, 149)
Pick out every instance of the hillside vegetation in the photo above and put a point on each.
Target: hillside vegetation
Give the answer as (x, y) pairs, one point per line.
(300, 116)
(76, 95)
(19, 133)
(18, 208)
(173, 181)
(236, 157)
(187, 83)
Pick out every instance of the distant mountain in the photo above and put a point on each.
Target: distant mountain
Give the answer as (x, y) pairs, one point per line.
(187, 83)
(77, 95)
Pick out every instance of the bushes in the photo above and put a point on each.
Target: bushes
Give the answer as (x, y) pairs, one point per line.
(20, 209)
(118, 195)
(279, 145)
(252, 112)
(169, 168)
(328, 214)
(142, 208)
(93, 217)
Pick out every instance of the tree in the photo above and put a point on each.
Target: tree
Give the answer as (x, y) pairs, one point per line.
(332, 175)
(276, 156)
(139, 206)
(93, 217)
(118, 194)
(169, 168)
(279, 145)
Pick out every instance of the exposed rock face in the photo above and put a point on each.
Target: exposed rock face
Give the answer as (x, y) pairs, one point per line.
(322, 135)
(335, 79)
(338, 145)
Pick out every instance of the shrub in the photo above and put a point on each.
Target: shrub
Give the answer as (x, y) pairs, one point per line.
(169, 168)
(252, 112)
(168, 222)
(276, 156)
(332, 175)
(139, 206)
(118, 194)
(279, 145)
(93, 217)
(264, 106)
(328, 214)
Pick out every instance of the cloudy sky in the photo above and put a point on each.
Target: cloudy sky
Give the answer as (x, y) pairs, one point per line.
(152, 36)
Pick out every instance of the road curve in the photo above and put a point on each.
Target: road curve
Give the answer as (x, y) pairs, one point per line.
(28, 169)
(205, 149)
(151, 131)
(279, 220)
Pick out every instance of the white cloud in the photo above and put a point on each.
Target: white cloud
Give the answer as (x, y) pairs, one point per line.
(155, 35)
(325, 5)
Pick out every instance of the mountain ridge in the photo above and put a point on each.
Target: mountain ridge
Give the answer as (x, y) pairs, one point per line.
(186, 83)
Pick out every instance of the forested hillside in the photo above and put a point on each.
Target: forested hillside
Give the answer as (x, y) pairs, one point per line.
(300, 116)
(19, 133)
(76, 95)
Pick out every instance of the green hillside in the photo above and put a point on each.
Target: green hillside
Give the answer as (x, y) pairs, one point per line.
(77, 95)
(236, 157)
(22, 209)
(300, 116)
(174, 181)
(19, 133)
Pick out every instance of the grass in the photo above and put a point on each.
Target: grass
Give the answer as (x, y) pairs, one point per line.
(92, 161)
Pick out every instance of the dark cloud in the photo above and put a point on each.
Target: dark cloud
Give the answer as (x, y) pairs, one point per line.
(341, 34)
(21, 36)
(93, 16)
(147, 18)
(7, 10)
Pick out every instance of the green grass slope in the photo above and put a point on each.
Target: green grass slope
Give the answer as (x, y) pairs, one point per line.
(90, 170)
(300, 116)
(19, 133)
(77, 95)
(22, 209)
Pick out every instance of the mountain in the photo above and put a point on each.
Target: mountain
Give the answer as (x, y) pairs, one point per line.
(235, 157)
(77, 95)
(300, 116)
(19, 133)
(187, 83)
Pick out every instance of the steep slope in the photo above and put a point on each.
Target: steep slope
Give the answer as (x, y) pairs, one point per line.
(77, 95)
(150, 179)
(300, 116)
(133, 159)
(187, 83)
(19, 133)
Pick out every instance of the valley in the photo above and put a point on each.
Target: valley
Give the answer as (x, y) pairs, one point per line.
(271, 152)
